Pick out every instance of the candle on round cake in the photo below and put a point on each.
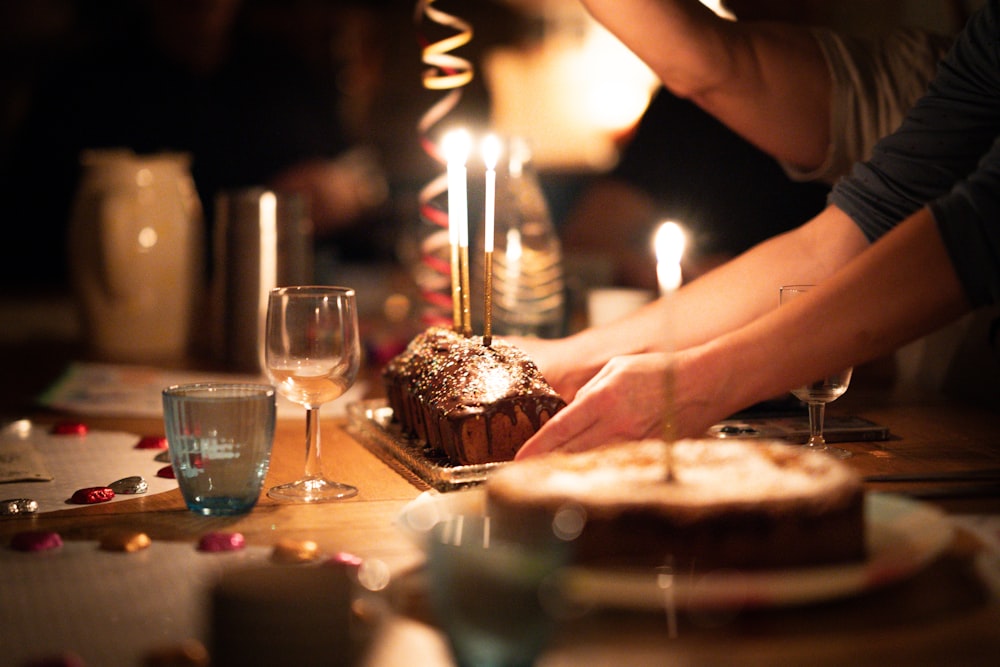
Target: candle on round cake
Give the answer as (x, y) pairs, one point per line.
(669, 242)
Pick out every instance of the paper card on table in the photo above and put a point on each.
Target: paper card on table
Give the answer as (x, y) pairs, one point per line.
(97, 458)
(20, 462)
(118, 390)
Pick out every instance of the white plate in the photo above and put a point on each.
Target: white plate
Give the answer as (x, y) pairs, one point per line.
(903, 536)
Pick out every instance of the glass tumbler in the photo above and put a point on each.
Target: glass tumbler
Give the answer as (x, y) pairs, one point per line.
(220, 438)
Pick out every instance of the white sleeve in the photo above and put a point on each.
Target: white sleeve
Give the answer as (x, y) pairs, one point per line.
(874, 82)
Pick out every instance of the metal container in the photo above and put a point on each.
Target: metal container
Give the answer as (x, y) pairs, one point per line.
(262, 240)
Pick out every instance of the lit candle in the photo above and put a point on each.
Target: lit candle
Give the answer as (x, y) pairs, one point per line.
(491, 154)
(669, 246)
(456, 151)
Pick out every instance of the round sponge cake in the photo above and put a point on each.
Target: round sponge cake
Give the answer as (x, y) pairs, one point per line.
(697, 503)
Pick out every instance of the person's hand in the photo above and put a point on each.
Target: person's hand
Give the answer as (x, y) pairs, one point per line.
(559, 361)
(626, 400)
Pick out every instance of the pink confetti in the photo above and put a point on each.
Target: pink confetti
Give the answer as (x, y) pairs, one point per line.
(91, 495)
(219, 541)
(345, 559)
(36, 540)
(70, 428)
(152, 442)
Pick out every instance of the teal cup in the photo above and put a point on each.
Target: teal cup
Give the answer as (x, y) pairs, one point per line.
(220, 437)
(496, 599)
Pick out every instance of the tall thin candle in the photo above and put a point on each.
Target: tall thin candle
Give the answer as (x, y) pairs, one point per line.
(669, 245)
(491, 154)
(463, 245)
(456, 151)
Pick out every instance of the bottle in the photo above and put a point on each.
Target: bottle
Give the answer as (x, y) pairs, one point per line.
(529, 295)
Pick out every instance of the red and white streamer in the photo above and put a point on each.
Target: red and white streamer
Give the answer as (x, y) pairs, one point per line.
(450, 73)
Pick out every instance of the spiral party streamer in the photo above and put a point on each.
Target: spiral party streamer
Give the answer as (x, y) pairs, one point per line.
(445, 72)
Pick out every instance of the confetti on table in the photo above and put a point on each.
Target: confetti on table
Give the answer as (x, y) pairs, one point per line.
(70, 463)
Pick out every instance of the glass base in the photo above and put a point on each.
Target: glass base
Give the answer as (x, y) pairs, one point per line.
(221, 506)
(835, 452)
(312, 490)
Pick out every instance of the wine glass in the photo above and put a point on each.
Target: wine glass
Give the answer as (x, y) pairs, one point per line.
(818, 393)
(312, 355)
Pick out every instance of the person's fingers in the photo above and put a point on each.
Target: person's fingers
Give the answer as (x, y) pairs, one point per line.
(564, 427)
(595, 417)
(624, 401)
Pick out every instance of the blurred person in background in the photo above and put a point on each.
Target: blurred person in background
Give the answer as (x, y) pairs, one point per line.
(757, 117)
(908, 243)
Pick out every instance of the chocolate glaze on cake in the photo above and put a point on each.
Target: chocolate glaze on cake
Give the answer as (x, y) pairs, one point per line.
(478, 404)
(733, 504)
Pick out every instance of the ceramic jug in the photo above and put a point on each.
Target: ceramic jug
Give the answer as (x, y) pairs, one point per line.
(136, 253)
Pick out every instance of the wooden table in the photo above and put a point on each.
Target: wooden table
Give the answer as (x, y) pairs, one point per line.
(944, 615)
(362, 525)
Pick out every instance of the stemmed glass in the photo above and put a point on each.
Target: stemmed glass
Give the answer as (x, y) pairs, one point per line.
(312, 355)
(820, 392)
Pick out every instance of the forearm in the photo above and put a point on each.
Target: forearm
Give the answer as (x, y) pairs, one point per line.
(902, 287)
(768, 82)
(778, 94)
(683, 41)
(722, 300)
(714, 304)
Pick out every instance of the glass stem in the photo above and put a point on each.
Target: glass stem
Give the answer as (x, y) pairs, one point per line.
(314, 463)
(816, 411)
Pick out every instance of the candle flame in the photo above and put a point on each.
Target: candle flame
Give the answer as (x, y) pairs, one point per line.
(491, 151)
(669, 243)
(456, 146)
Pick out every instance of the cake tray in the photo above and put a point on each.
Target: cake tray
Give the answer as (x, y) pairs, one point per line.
(370, 421)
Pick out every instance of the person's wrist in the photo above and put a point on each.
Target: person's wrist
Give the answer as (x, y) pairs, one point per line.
(707, 385)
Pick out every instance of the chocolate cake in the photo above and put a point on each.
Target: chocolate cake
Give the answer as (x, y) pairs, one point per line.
(477, 404)
(729, 504)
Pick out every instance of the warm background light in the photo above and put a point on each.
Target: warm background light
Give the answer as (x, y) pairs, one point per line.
(571, 93)
(574, 92)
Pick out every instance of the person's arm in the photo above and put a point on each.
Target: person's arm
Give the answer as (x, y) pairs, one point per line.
(945, 155)
(874, 82)
(769, 82)
(722, 300)
(902, 287)
(870, 302)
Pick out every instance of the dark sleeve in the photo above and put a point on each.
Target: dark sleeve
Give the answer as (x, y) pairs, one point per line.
(968, 219)
(945, 156)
